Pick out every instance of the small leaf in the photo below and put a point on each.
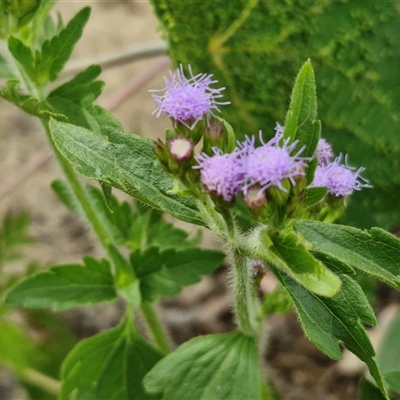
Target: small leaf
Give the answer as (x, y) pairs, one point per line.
(301, 123)
(368, 391)
(125, 161)
(314, 195)
(5, 69)
(56, 52)
(110, 365)
(329, 321)
(217, 367)
(306, 269)
(392, 378)
(375, 251)
(65, 286)
(31, 105)
(165, 273)
(23, 55)
(65, 194)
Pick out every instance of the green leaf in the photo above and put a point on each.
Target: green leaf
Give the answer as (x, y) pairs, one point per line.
(65, 286)
(375, 251)
(110, 365)
(125, 161)
(29, 104)
(217, 367)
(16, 348)
(56, 52)
(301, 118)
(82, 89)
(165, 273)
(23, 55)
(314, 195)
(368, 391)
(388, 354)
(329, 321)
(306, 269)
(65, 194)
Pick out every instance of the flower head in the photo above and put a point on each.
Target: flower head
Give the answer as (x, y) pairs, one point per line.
(324, 153)
(188, 101)
(271, 163)
(180, 147)
(221, 174)
(339, 179)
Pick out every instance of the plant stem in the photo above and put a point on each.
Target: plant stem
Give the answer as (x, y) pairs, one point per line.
(41, 380)
(155, 327)
(244, 295)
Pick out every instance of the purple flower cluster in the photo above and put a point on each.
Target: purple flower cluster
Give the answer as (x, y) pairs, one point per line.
(249, 167)
(340, 179)
(188, 100)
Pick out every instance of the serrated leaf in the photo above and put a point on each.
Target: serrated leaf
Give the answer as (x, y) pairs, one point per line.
(65, 286)
(375, 251)
(306, 269)
(29, 104)
(109, 366)
(56, 52)
(165, 273)
(301, 118)
(125, 161)
(23, 54)
(329, 321)
(218, 367)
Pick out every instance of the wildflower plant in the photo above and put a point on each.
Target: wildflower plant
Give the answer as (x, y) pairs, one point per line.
(270, 203)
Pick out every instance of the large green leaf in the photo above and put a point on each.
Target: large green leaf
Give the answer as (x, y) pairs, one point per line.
(375, 251)
(256, 48)
(330, 321)
(165, 273)
(109, 366)
(306, 269)
(65, 286)
(125, 161)
(217, 367)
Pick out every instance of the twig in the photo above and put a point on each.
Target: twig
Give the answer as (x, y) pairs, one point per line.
(117, 98)
(117, 58)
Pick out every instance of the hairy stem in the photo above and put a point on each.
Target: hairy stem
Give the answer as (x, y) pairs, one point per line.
(155, 327)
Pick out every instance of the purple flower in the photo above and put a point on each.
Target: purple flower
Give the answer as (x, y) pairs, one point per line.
(221, 174)
(324, 153)
(188, 101)
(271, 163)
(339, 179)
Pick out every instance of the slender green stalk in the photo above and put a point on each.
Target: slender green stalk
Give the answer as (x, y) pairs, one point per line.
(41, 380)
(155, 327)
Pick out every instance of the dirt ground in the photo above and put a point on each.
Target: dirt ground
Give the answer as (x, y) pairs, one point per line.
(296, 367)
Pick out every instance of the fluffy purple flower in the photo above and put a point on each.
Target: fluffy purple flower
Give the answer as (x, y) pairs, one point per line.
(271, 163)
(221, 174)
(188, 101)
(324, 152)
(339, 179)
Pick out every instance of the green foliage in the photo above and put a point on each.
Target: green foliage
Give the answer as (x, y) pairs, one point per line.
(29, 104)
(45, 65)
(110, 365)
(388, 354)
(374, 251)
(218, 367)
(255, 48)
(330, 321)
(165, 273)
(13, 235)
(125, 161)
(65, 286)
